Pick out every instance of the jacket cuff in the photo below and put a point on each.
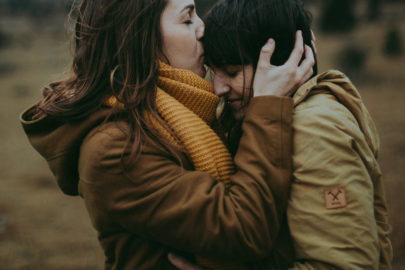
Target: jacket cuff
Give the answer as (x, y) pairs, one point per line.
(271, 107)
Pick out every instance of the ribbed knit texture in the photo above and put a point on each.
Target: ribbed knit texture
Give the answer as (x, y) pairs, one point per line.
(187, 103)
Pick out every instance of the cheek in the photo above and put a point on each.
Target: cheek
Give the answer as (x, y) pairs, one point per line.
(240, 84)
(179, 38)
(249, 75)
(188, 43)
(179, 47)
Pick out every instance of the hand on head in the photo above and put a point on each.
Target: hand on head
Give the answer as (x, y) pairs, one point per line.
(285, 79)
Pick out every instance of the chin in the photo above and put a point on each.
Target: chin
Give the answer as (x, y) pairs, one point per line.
(201, 72)
(238, 115)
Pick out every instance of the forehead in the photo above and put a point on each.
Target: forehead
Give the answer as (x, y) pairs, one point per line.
(178, 5)
(227, 68)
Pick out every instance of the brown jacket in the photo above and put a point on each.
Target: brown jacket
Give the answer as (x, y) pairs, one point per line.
(156, 205)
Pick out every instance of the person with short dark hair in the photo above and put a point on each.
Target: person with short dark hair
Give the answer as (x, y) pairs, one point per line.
(336, 214)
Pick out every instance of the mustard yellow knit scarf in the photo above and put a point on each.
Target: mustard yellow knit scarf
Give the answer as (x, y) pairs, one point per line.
(187, 103)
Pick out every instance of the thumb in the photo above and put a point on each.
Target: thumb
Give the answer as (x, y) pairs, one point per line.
(266, 53)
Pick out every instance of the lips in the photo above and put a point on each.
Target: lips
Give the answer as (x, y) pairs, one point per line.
(234, 103)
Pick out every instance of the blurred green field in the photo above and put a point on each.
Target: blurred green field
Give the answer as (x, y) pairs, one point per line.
(45, 229)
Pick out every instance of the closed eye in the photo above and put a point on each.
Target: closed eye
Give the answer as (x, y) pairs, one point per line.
(188, 13)
(233, 73)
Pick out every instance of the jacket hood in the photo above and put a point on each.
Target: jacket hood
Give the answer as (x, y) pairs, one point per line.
(339, 85)
(59, 143)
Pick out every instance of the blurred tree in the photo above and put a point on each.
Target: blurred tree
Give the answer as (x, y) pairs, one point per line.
(352, 59)
(2, 224)
(393, 42)
(6, 67)
(19, 6)
(4, 39)
(338, 16)
(374, 9)
(35, 8)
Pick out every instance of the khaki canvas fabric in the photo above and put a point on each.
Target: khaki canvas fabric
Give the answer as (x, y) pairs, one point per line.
(335, 149)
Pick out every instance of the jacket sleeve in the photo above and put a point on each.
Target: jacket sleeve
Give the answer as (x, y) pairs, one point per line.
(189, 210)
(330, 211)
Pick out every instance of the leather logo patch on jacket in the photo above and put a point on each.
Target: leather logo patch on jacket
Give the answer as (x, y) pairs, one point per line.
(335, 197)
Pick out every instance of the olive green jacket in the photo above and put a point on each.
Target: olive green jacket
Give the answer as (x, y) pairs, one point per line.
(337, 209)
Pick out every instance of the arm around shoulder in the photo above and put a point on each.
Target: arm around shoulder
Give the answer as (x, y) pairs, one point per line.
(189, 210)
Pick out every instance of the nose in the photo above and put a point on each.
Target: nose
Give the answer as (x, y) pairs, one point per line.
(200, 29)
(221, 88)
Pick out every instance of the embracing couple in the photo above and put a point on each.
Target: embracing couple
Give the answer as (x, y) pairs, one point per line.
(213, 145)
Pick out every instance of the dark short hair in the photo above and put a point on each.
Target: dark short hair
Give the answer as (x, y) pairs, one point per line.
(236, 30)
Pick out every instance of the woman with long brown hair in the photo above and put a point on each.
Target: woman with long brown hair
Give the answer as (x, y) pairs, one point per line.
(133, 131)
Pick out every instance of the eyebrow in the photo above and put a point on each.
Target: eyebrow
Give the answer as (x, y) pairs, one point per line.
(189, 7)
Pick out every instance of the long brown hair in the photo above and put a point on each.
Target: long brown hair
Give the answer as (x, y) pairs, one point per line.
(117, 47)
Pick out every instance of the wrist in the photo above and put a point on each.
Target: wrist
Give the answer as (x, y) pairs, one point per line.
(269, 106)
(261, 93)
